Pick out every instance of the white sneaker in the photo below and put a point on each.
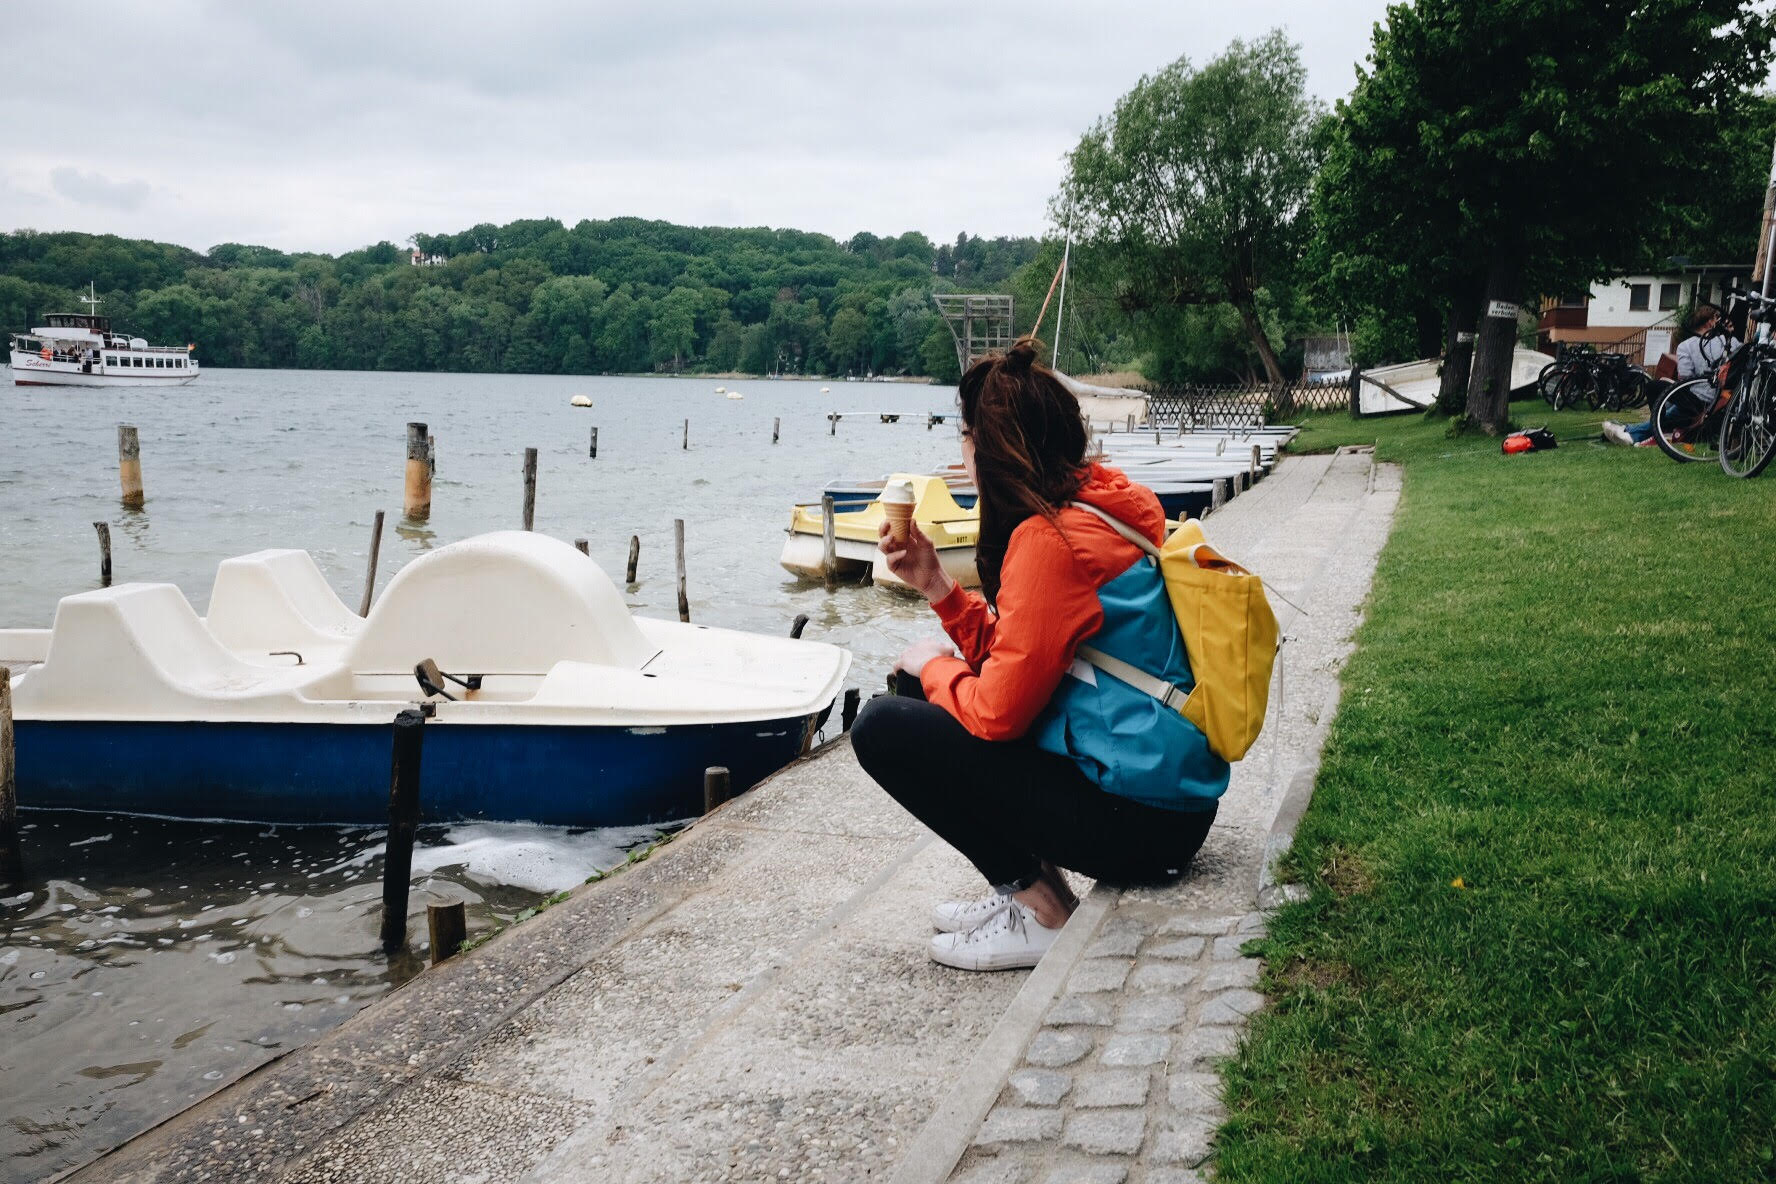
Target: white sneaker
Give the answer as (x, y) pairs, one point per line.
(959, 916)
(1615, 433)
(1008, 941)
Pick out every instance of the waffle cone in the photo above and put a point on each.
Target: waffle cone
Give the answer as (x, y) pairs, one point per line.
(900, 519)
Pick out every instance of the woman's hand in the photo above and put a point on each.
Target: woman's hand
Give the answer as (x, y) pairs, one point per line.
(913, 658)
(915, 563)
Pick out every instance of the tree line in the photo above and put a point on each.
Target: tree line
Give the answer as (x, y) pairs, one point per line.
(533, 296)
(1491, 152)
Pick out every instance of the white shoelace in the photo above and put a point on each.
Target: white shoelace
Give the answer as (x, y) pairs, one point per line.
(1010, 921)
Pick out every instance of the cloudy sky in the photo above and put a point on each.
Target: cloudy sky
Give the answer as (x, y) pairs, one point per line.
(325, 125)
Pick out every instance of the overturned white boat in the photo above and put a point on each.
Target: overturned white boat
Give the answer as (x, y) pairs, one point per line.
(1412, 386)
(546, 700)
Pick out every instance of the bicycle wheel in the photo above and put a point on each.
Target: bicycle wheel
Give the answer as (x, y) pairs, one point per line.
(1680, 422)
(1549, 380)
(1747, 441)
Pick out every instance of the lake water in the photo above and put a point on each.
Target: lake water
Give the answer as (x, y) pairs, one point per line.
(146, 963)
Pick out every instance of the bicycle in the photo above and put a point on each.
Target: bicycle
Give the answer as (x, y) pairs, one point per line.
(1686, 421)
(1748, 421)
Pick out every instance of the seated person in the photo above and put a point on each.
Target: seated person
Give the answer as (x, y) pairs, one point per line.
(1698, 356)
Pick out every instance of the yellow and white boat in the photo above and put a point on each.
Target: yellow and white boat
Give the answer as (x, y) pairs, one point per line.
(951, 529)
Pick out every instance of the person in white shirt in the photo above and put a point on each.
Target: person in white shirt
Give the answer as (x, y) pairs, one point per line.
(1698, 356)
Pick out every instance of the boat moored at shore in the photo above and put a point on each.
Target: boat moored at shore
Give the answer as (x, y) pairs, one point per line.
(546, 701)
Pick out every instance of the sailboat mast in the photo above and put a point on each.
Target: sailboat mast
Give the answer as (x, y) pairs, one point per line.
(1061, 309)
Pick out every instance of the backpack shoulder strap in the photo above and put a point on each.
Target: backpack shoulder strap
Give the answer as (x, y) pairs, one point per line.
(1120, 527)
(1159, 688)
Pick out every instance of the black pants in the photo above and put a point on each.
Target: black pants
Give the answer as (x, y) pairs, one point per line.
(1008, 805)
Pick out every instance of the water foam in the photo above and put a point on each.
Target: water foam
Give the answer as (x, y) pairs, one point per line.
(523, 855)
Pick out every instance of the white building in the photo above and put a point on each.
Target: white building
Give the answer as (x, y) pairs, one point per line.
(1635, 314)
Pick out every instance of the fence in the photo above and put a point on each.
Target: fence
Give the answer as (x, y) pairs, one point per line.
(1214, 405)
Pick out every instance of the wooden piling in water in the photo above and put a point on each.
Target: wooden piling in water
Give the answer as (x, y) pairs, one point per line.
(678, 545)
(1218, 498)
(829, 542)
(129, 466)
(686, 444)
(634, 558)
(1257, 463)
(104, 529)
(717, 788)
(594, 453)
(930, 419)
(832, 423)
(417, 502)
(1131, 423)
(370, 567)
(397, 860)
(796, 626)
(530, 488)
(432, 454)
(11, 861)
(853, 697)
(447, 926)
(776, 426)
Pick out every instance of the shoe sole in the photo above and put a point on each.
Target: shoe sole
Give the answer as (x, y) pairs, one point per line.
(1005, 960)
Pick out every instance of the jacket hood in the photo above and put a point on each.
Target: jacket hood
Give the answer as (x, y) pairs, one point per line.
(1111, 491)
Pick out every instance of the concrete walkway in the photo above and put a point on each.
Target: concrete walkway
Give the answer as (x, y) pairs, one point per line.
(755, 1003)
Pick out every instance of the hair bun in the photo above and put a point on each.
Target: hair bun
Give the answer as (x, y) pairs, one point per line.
(1020, 356)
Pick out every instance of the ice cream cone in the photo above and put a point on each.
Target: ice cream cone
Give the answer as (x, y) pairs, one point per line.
(900, 519)
(897, 500)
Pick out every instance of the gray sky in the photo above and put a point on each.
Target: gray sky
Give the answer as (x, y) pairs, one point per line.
(325, 125)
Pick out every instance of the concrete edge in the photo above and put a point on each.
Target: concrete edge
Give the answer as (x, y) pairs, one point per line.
(934, 1152)
(502, 946)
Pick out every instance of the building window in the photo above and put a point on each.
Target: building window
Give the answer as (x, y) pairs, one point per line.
(1638, 297)
(1670, 296)
(1578, 301)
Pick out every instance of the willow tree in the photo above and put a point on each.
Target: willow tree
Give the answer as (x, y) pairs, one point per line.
(1193, 190)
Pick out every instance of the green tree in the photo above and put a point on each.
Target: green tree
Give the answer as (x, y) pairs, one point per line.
(673, 330)
(1193, 190)
(1552, 142)
(846, 340)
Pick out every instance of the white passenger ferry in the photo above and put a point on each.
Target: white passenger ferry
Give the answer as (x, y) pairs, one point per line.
(79, 349)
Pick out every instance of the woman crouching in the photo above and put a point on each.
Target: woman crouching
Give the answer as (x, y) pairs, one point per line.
(1020, 755)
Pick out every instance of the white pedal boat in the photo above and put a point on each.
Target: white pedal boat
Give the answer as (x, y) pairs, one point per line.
(277, 707)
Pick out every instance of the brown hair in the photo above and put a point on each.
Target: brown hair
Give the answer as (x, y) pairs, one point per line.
(1029, 447)
(1701, 316)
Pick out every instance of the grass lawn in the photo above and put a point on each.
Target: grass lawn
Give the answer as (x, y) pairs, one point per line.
(1541, 941)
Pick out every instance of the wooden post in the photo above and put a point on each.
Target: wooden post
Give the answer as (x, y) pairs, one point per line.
(594, 453)
(447, 928)
(417, 504)
(1257, 463)
(686, 445)
(800, 623)
(1131, 422)
(849, 715)
(397, 860)
(370, 568)
(1218, 498)
(832, 423)
(584, 546)
(678, 545)
(929, 420)
(634, 558)
(1357, 391)
(104, 529)
(776, 425)
(129, 466)
(1156, 432)
(11, 864)
(717, 789)
(530, 488)
(432, 454)
(829, 543)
